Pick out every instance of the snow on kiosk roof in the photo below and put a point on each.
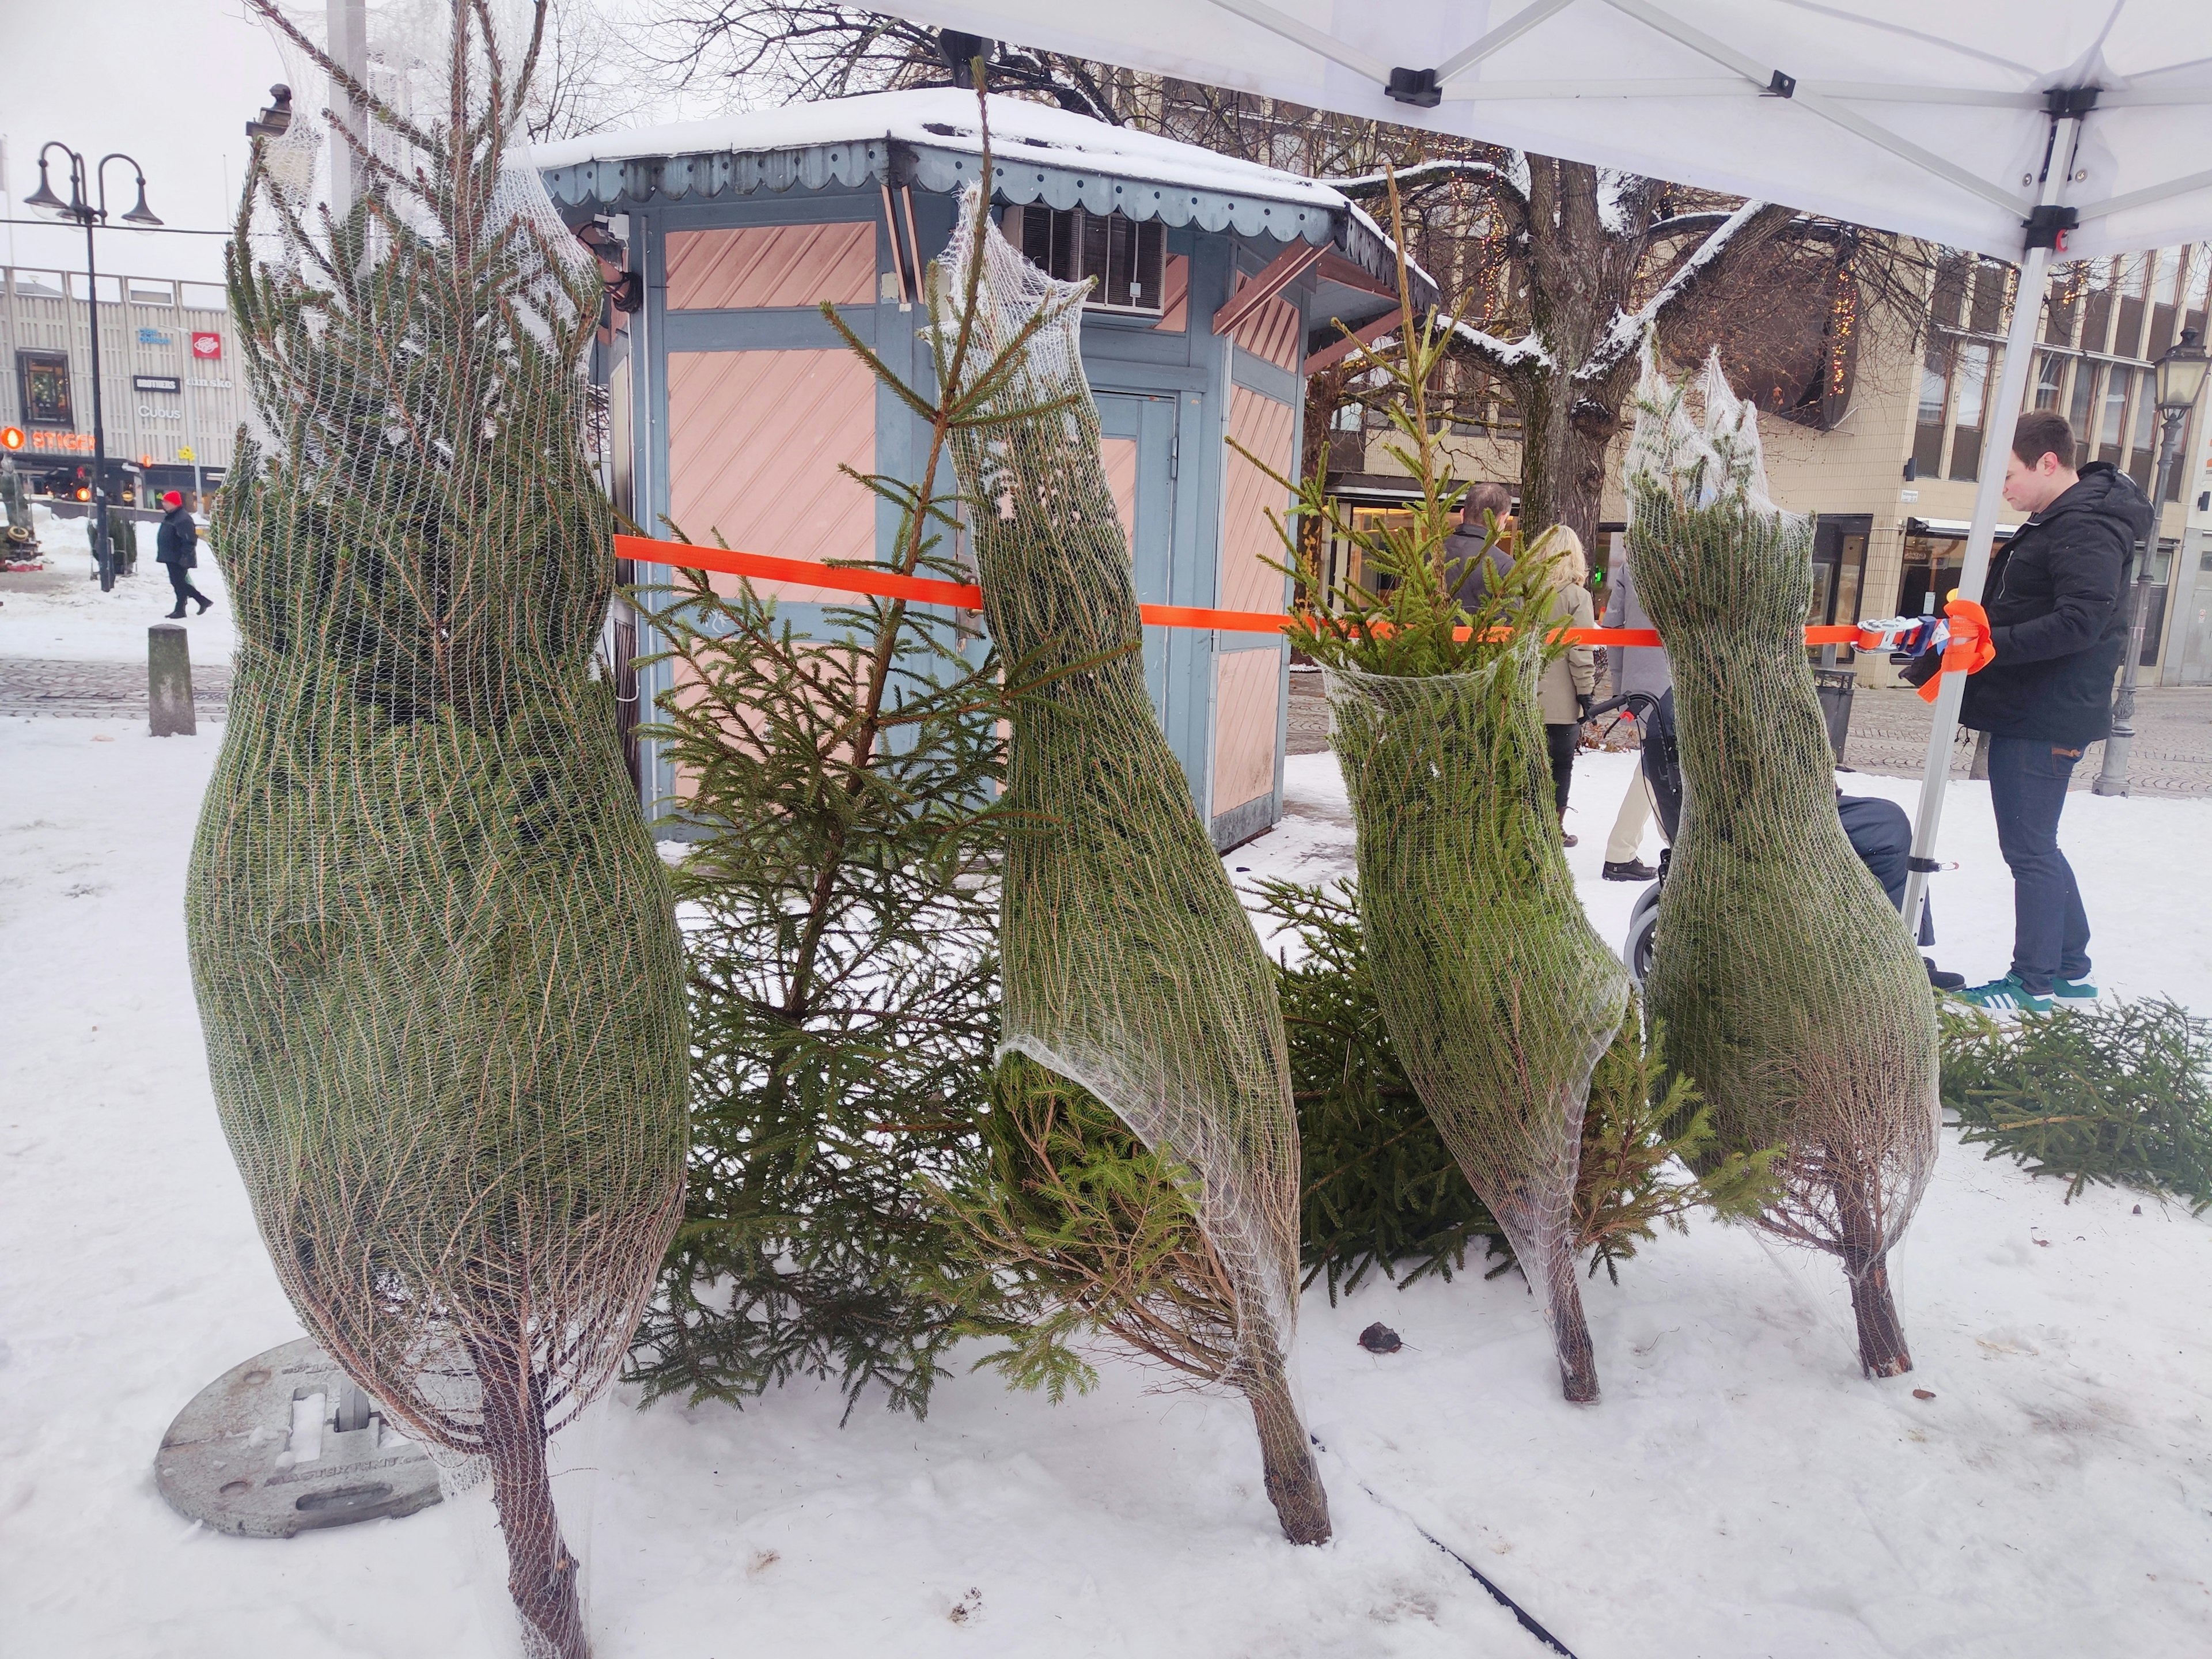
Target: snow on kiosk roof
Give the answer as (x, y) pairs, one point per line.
(933, 141)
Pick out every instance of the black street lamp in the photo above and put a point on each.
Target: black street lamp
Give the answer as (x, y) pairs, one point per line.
(2180, 378)
(79, 210)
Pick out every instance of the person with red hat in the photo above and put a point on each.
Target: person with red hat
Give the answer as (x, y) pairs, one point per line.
(177, 547)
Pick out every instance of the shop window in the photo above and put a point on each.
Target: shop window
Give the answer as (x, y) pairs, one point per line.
(2200, 278)
(1949, 294)
(1931, 568)
(2050, 380)
(2064, 312)
(2097, 306)
(1128, 257)
(1927, 431)
(2164, 293)
(2143, 452)
(1970, 382)
(2112, 414)
(2084, 402)
(1991, 281)
(2134, 280)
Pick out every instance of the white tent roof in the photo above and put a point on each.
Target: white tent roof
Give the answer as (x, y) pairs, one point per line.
(1922, 116)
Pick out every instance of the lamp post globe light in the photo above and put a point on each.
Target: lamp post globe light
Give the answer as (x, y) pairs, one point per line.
(85, 183)
(2179, 378)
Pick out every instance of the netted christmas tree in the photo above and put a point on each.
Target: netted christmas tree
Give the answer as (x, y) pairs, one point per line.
(1788, 983)
(432, 946)
(1381, 1187)
(1499, 997)
(1131, 973)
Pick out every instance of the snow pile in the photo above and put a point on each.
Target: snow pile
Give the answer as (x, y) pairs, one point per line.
(59, 614)
(1739, 1493)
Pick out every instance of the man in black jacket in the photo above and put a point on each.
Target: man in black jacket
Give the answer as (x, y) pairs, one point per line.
(177, 547)
(2056, 618)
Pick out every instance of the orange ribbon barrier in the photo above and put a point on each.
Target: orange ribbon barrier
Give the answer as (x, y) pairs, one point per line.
(1970, 649)
(888, 584)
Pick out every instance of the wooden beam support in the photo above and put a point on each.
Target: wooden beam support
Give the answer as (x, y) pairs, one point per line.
(1254, 292)
(1339, 348)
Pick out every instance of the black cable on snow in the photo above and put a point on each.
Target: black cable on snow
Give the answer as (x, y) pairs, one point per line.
(1521, 1615)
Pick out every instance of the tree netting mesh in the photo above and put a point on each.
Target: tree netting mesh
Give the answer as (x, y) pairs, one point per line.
(1129, 965)
(1788, 983)
(431, 942)
(1499, 995)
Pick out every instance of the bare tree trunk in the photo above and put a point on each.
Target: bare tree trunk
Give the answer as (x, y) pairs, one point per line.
(1570, 1329)
(1882, 1352)
(1286, 1457)
(1865, 1257)
(540, 1572)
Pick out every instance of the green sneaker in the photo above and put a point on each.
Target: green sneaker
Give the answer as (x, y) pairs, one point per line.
(2072, 990)
(2005, 996)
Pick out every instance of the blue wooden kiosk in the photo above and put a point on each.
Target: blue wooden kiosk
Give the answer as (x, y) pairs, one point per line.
(733, 404)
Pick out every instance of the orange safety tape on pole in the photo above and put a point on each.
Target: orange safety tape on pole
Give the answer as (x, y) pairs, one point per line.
(888, 584)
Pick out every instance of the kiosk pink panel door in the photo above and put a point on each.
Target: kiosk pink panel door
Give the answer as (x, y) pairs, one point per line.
(755, 442)
(1248, 675)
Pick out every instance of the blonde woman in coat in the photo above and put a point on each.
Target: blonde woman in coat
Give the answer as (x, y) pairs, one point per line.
(1570, 679)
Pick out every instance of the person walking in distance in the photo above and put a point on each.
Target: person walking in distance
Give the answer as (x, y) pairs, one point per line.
(1635, 668)
(2059, 629)
(178, 547)
(1570, 679)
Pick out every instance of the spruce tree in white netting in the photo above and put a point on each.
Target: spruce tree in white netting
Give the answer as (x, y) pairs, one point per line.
(1499, 997)
(433, 948)
(1129, 966)
(1787, 982)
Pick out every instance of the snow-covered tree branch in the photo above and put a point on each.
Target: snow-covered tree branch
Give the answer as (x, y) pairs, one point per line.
(1615, 345)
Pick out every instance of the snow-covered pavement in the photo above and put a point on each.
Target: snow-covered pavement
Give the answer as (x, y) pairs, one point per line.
(59, 615)
(1740, 1491)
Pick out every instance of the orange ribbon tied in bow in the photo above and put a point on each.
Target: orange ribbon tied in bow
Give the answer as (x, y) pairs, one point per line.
(1970, 650)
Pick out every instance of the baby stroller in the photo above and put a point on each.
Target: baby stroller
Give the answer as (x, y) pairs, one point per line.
(1880, 832)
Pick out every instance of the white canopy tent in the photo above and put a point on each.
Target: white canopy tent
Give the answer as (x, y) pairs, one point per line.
(2014, 128)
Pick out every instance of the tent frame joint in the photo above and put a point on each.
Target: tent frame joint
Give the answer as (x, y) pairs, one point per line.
(1419, 87)
(2047, 226)
(2070, 103)
(1779, 85)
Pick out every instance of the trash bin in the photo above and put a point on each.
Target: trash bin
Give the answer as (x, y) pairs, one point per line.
(1835, 686)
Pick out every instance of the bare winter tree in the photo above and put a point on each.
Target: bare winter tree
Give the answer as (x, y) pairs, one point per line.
(582, 85)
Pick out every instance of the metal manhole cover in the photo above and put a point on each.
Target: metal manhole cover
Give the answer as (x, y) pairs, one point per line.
(284, 1444)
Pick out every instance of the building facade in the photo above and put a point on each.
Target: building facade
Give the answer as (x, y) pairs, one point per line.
(1893, 479)
(171, 399)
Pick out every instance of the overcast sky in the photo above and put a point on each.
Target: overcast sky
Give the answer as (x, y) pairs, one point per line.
(170, 83)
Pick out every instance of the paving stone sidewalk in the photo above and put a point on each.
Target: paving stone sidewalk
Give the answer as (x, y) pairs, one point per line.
(100, 690)
(2172, 759)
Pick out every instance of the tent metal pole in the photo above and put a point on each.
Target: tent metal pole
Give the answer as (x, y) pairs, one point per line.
(1989, 494)
(1305, 35)
(1497, 39)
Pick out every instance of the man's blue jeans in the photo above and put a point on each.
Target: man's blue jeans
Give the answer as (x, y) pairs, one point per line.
(2050, 929)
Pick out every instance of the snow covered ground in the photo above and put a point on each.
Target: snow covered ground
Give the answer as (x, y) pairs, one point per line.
(59, 615)
(1740, 1491)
